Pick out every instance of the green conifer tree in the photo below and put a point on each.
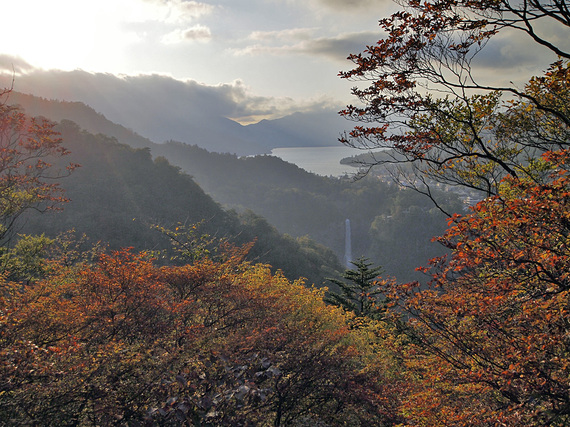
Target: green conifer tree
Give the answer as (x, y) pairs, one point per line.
(359, 292)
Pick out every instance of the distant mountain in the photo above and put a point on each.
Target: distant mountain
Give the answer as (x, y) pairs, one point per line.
(145, 124)
(310, 129)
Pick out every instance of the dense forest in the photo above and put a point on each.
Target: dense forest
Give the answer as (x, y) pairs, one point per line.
(297, 203)
(124, 198)
(139, 288)
(383, 215)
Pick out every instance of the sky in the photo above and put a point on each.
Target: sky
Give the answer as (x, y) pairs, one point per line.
(258, 58)
(286, 51)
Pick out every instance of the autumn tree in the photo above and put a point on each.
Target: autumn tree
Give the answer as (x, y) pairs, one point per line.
(27, 260)
(426, 101)
(490, 334)
(488, 339)
(214, 342)
(26, 177)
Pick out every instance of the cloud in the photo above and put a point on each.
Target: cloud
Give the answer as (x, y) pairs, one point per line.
(289, 34)
(155, 105)
(14, 64)
(192, 8)
(298, 42)
(344, 6)
(195, 33)
(110, 94)
(259, 108)
(167, 20)
(356, 5)
(340, 47)
(172, 11)
(511, 57)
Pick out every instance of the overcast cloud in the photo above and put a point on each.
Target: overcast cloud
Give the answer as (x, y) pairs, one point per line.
(129, 100)
(355, 5)
(302, 41)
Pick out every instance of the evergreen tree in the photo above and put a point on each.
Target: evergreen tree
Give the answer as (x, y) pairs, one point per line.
(359, 291)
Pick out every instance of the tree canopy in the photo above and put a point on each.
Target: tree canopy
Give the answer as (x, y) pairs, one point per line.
(213, 337)
(488, 338)
(426, 101)
(206, 343)
(27, 146)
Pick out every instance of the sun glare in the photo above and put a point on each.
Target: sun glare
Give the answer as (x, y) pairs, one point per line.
(63, 34)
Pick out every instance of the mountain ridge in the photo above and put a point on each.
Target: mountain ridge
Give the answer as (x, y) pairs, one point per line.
(212, 132)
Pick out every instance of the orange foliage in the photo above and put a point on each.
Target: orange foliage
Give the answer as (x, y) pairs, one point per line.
(224, 342)
(26, 176)
(490, 338)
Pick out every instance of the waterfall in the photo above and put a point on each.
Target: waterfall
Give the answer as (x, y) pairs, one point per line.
(347, 245)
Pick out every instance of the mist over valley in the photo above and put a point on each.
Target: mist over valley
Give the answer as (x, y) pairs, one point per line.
(391, 226)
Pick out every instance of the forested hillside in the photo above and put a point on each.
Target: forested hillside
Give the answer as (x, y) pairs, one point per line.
(119, 193)
(178, 117)
(391, 226)
(83, 115)
(189, 328)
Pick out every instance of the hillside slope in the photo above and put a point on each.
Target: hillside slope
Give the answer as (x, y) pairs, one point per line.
(294, 201)
(205, 129)
(119, 192)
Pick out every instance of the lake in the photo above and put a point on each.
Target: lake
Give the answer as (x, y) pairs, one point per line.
(319, 160)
